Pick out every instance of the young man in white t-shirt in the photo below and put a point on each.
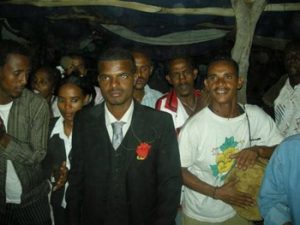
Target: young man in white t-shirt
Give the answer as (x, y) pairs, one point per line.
(218, 137)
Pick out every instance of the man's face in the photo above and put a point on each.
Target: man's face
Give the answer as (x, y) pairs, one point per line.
(143, 69)
(116, 79)
(41, 83)
(222, 82)
(13, 76)
(292, 63)
(182, 76)
(79, 65)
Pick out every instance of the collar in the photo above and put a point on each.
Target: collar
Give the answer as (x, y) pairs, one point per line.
(58, 127)
(172, 99)
(288, 85)
(109, 117)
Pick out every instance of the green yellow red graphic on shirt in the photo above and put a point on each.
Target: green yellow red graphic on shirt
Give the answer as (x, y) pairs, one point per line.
(223, 161)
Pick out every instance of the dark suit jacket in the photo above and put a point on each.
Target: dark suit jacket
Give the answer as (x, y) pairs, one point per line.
(56, 154)
(153, 185)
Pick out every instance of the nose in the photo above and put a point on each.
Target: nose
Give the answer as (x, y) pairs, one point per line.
(67, 106)
(182, 77)
(23, 79)
(114, 82)
(220, 81)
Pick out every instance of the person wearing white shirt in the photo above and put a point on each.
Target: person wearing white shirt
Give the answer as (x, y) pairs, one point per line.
(286, 105)
(142, 92)
(72, 97)
(222, 135)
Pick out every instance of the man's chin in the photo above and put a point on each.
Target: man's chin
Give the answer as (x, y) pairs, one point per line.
(16, 94)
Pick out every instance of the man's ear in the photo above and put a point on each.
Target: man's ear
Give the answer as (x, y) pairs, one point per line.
(168, 78)
(205, 84)
(135, 77)
(86, 99)
(195, 73)
(240, 83)
(98, 79)
(151, 70)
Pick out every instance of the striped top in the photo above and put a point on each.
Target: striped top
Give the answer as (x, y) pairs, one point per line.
(28, 127)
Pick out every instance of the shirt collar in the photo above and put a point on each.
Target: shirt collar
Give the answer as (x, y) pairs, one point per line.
(58, 127)
(109, 117)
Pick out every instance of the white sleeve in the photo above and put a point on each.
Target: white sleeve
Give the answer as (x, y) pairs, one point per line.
(263, 128)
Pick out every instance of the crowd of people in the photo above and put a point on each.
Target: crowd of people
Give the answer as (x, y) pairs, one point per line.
(117, 151)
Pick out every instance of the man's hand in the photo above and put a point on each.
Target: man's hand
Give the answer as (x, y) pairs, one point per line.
(247, 157)
(62, 176)
(228, 193)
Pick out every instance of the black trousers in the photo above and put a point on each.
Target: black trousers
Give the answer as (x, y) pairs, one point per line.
(36, 213)
(59, 214)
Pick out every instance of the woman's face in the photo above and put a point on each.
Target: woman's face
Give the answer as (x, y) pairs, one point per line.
(41, 84)
(70, 100)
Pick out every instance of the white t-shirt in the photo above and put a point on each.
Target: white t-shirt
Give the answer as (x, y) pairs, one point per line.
(287, 110)
(13, 187)
(206, 142)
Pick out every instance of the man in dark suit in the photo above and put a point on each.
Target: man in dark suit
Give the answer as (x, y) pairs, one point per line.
(133, 181)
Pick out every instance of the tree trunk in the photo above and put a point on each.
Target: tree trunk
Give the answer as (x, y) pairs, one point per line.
(247, 13)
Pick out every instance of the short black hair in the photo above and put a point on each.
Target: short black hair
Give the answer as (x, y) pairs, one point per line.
(142, 51)
(227, 59)
(83, 83)
(187, 58)
(52, 73)
(113, 54)
(8, 47)
(293, 45)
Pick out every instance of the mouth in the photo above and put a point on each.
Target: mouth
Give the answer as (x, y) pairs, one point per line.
(221, 91)
(19, 89)
(68, 115)
(115, 93)
(140, 81)
(36, 91)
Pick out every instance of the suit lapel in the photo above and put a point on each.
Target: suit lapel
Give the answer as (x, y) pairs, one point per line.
(136, 134)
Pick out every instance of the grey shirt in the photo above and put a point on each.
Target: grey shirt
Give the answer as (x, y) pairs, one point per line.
(28, 127)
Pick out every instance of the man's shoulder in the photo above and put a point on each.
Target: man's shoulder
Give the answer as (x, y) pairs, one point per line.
(154, 92)
(30, 98)
(91, 112)
(168, 101)
(150, 113)
(249, 108)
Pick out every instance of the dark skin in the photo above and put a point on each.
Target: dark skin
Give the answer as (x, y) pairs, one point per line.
(182, 77)
(292, 64)
(143, 72)
(116, 79)
(222, 84)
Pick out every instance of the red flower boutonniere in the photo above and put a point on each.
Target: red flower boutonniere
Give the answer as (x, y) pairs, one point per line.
(142, 151)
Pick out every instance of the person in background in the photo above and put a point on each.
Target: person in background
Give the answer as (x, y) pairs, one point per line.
(44, 82)
(183, 100)
(222, 135)
(65, 66)
(79, 67)
(125, 159)
(286, 105)
(23, 142)
(73, 94)
(142, 92)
